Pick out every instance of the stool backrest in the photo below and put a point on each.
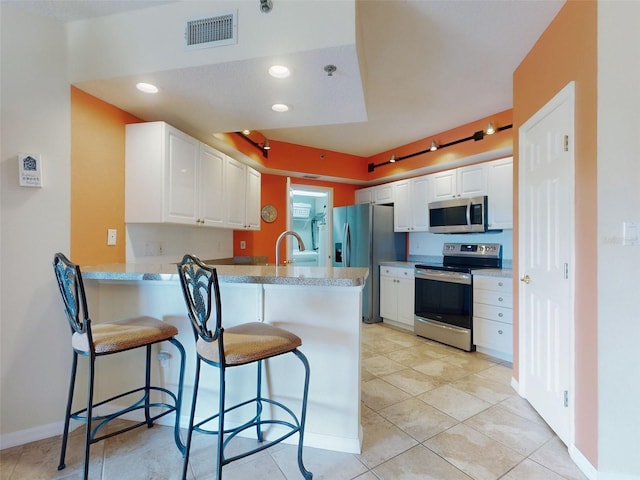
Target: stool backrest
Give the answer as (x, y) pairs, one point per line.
(71, 288)
(200, 286)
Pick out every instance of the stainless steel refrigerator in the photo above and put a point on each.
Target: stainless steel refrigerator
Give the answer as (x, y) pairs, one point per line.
(363, 236)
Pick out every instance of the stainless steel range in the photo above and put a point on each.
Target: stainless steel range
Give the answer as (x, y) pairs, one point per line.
(444, 292)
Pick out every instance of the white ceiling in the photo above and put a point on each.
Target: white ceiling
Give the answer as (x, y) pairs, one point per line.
(406, 70)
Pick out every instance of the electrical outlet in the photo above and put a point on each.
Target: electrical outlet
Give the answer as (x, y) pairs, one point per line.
(243, 244)
(111, 236)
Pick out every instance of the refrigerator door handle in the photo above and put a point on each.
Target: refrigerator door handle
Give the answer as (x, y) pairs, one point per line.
(346, 254)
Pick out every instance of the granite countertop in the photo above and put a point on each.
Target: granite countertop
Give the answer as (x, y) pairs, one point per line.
(494, 272)
(264, 274)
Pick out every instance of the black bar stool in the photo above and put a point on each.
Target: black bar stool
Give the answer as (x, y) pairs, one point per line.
(238, 345)
(100, 339)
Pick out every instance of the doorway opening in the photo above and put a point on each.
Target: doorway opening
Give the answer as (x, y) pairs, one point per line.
(309, 215)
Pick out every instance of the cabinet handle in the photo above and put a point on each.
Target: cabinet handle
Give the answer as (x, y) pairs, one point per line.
(500, 332)
(500, 299)
(500, 315)
(499, 284)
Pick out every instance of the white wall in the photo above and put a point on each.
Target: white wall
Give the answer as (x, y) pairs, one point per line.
(34, 224)
(618, 265)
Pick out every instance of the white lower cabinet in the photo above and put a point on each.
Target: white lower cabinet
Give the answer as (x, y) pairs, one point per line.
(493, 316)
(397, 289)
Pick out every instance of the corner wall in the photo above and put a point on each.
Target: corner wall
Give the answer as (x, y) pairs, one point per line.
(567, 51)
(618, 265)
(35, 357)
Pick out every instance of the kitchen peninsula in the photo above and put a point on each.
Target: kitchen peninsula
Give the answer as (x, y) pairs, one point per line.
(323, 306)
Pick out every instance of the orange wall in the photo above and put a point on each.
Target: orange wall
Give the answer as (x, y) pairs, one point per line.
(568, 51)
(97, 178)
(274, 192)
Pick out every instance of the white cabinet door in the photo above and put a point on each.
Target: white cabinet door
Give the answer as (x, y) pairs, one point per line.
(459, 182)
(406, 302)
(383, 194)
(388, 297)
(211, 187)
(500, 194)
(419, 188)
(443, 185)
(401, 206)
(410, 212)
(235, 193)
(252, 215)
(397, 296)
(364, 195)
(471, 181)
(182, 181)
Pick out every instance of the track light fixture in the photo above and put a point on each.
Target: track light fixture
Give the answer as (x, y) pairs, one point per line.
(266, 6)
(265, 146)
(479, 135)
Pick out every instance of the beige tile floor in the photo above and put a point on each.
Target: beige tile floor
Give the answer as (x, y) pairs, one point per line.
(429, 412)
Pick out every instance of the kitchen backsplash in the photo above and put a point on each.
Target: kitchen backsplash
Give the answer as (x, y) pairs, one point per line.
(424, 244)
(162, 243)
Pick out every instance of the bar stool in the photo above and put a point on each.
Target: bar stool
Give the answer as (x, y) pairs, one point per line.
(231, 347)
(101, 339)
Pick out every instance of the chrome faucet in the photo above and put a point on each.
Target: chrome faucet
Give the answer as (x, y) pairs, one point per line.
(284, 234)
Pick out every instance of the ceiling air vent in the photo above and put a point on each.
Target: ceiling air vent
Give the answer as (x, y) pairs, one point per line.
(212, 31)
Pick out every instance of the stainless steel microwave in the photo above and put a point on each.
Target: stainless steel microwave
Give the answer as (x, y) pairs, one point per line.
(458, 215)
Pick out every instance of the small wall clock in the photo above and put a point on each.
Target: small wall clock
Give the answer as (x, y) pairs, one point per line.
(269, 213)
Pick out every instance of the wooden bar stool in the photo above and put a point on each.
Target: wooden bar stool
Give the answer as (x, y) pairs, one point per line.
(101, 339)
(231, 347)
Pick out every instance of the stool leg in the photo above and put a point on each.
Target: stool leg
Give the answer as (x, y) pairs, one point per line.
(147, 390)
(305, 473)
(176, 429)
(221, 423)
(67, 415)
(258, 402)
(88, 433)
(192, 414)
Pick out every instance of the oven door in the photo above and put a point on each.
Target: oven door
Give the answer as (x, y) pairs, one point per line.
(443, 296)
(443, 307)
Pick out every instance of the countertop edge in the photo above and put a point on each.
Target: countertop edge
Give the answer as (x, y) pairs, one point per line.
(285, 275)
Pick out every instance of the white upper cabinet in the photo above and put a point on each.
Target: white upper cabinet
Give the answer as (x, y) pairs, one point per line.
(410, 213)
(458, 182)
(171, 177)
(379, 195)
(211, 188)
(364, 195)
(500, 194)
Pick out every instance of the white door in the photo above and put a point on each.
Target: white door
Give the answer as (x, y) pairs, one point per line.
(546, 236)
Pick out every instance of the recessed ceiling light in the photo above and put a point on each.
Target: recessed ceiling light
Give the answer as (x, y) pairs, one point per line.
(246, 132)
(146, 87)
(280, 107)
(279, 71)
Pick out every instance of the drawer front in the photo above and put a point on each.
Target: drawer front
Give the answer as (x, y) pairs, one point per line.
(491, 312)
(491, 297)
(499, 284)
(493, 335)
(398, 272)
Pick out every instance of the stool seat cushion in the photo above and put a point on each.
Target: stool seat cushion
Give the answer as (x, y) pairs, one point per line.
(248, 343)
(124, 334)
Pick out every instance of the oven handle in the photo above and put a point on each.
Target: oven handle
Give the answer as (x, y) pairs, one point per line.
(443, 276)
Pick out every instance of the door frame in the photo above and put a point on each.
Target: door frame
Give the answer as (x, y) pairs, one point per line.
(329, 219)
(567, 94)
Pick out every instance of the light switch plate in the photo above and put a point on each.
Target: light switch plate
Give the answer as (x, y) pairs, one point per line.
(111, 236)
